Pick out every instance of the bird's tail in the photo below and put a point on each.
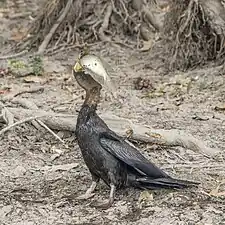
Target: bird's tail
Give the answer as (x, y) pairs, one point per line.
(165, 182)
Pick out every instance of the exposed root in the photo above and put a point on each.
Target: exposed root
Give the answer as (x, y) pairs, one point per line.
(13, 55)
(105, 24)
(196, 30)
(63, 23)
(48, 37)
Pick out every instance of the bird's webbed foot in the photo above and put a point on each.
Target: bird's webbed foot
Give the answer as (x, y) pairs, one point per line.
(89, 193)
(107, 203)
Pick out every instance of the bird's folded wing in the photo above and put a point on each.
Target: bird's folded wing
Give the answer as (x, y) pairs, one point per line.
(129, 155)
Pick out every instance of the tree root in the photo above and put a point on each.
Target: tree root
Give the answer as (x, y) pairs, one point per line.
(105, 24)
(48, 37)
(77, 23)
(4, 57)
(196, 32)
(122, 127)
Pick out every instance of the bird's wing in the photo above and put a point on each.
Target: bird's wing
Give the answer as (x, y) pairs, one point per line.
(129, 155)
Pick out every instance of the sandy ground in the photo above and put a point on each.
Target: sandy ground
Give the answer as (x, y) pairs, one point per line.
(38, 188)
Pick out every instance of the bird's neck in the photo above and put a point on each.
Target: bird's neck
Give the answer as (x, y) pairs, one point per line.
(89, 106)
(92, 97)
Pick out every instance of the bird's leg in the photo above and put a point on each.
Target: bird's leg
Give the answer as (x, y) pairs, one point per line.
(106, 204)
(89, 193)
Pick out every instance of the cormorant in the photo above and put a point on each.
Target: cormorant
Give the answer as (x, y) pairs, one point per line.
(108, 156)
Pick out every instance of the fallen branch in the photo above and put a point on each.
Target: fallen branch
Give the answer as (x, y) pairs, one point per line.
(121, 126)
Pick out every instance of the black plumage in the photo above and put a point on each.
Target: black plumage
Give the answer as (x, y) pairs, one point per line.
(108, 156)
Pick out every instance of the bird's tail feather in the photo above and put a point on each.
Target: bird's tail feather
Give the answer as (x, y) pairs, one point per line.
(167, 182)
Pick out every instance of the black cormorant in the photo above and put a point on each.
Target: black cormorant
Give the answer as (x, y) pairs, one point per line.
(108, 156)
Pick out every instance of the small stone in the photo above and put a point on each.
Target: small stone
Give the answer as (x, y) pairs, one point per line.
(19, 171)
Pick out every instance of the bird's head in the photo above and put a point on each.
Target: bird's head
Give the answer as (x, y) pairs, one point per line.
(90, 72)
(83, 79)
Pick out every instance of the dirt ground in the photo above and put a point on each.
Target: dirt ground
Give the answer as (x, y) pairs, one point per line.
(37, 187)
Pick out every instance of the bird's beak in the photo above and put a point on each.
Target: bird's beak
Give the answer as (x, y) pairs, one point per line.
(77, 67)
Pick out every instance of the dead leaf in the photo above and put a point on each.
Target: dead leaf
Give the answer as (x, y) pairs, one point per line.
(4, 72)
(34, 79)
(8, 116)
(55, 156)
(5, 91)
(220, 108)
(165, 8)
(18, 35)
(5, 210)
(200, 118)
(215, 192)
(129, 133)
(145, 197)
(57, 152)
(19, 171)
(146, 45)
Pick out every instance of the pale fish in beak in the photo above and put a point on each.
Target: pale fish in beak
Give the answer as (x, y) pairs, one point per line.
(94, 66)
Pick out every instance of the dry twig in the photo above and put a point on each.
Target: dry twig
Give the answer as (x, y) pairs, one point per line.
(13, 55)
(10, 96)
(19, 123)
(50, 131)
(31, 105)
